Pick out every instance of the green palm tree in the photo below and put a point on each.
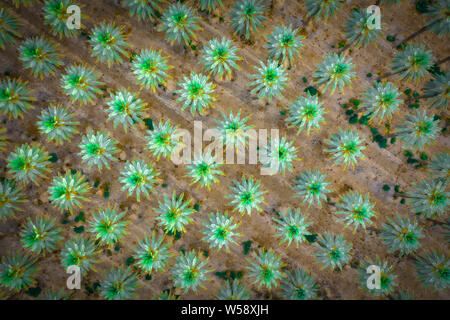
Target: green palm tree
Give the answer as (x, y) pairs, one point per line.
(219, 57)
(418, 130)
(336, 71)
(10, 198)
(387, 278)
(17, 271)
(189, 271)
(298, 285)
(56, 124)
(15, 98)
(292, 226)
(433, 269)
(411, 63)
(334, 250)
(180, 23)
(359, 30)
(108, 226)
(27, 163)
(283, 43)
(39, 56)
(439, 23)
(119, 284)
(437, 91)
(381, 100)
(247, 17)
(269, 81)
(9, 28)
(143, 9)
(108, 43)
(265, 268)
(40, 235)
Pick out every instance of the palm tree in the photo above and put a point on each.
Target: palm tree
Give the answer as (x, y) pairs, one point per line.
(9, 28)
(298, 285)
(203, 170)
(81, 84)
(320, 9)
(179, 23)
(174, 213)
(434, 269)
(56, 15)
(412, 63)
(3, 139)
(108, 43)
(150, 68)
(68, 191)
(292, 226)
(196, 93)
(40, 235)
(163, 139)
(306, 112)
(119, 284)
(140, 177)
(280, 152)
(56, 124)
(418, 130)
(189, 271)
(437, 91)
(97, 148)
(358, 29)
(233, 131)
(28, 162)
(219, 231)
(210, 5)
(233, 290)
(335, 70)
(108, 226)
(402, 235)
(25, 3)
(81, 252)
(311, 186)
(381, 100)
(283, 43)
(246, 195)
(440, 165)
(17, 271)
(439, 10)
(387, 278)
(334, 251)
(355, 209)
(346, 147)
(247, 17)
(15, 98)
(143, 9)
(10, 198)
(125, 108)
(265, 268)
(39, 56)
(269, 81)
(429, 197)
(219, 57)
(152, 254)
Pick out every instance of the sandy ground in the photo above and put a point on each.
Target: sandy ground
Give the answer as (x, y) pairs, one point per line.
(381, 166)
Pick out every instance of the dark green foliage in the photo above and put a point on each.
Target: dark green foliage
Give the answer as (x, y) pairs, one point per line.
(247, 245)
(129, 261)
(33, 292)
(390, 38)
(53, 157)
(79, 229)
(386, 187)
(311, 90)
(149, 123)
